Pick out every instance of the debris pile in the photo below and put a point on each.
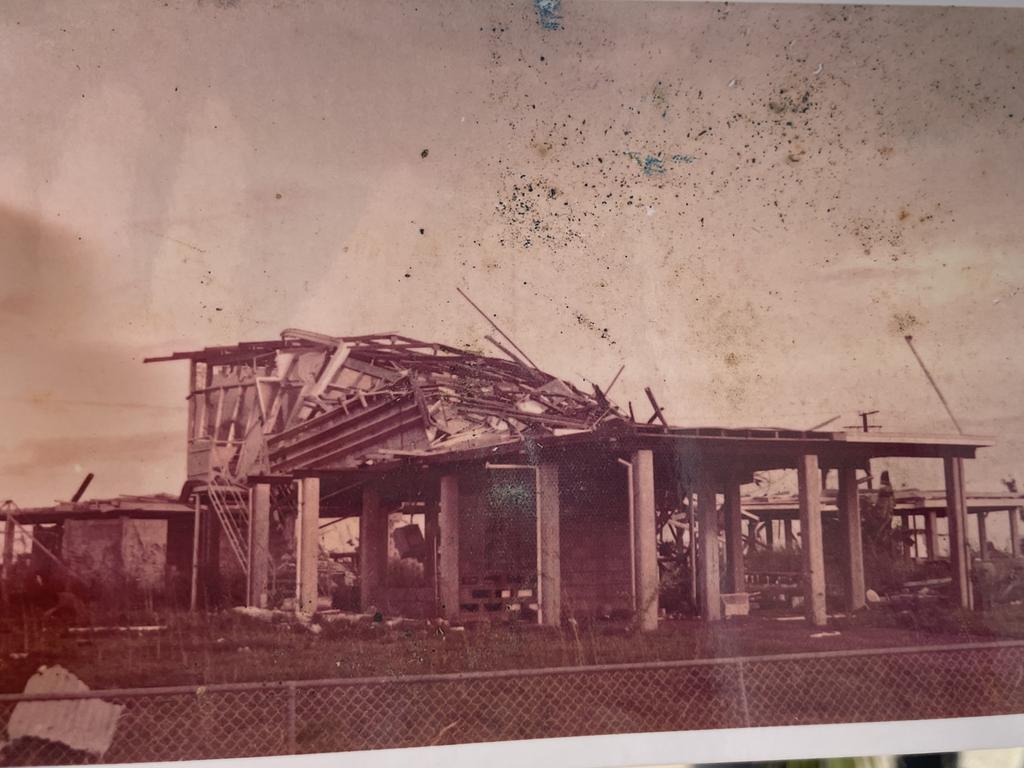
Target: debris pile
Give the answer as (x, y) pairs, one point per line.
(315, 401)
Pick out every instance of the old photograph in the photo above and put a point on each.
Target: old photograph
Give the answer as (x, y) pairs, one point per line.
(413, 374)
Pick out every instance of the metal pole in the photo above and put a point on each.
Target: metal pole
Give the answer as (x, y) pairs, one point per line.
(935, 386)
(194, 587)
(298, 543)
(248, 551)
(9, 554)
(693, 551)
(494, 325)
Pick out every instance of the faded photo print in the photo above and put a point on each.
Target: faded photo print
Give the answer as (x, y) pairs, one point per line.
(418, 373)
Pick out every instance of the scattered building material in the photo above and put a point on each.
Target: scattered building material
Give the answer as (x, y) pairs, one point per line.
(658, 413)
(735, 604)
(82, 488)
(117, 630)
(84, 724)
(312, 401)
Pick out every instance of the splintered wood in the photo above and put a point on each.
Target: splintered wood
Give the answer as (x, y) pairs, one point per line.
(310, 401)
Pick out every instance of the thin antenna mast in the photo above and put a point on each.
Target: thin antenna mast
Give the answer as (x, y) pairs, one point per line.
(931, 380)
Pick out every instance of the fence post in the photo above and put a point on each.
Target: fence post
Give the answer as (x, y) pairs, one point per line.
(743, 694)
(291, 718)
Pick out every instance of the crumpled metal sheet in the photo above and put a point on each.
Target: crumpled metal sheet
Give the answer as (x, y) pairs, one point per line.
(87, 725)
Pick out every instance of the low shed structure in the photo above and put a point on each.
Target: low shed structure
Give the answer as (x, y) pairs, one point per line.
(532, 497)
(126, 547)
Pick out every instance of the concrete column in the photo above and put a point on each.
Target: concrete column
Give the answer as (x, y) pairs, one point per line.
(983, 535)
(810, 540)
(751, 536)
(259, 545)
(449, 555)
(646, 541)
(956, 515)
(430, 536)
(373, 548)
(309, 544)
(1014, 531)
(787, 534)
(735, 578)
(853, 550)
(707, 510)
(931, 535)
(549, 568)
(769, 533)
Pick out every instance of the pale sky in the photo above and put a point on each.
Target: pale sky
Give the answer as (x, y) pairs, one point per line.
(745, 205)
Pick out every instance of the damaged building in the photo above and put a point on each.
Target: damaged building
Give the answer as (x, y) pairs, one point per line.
(505, 491)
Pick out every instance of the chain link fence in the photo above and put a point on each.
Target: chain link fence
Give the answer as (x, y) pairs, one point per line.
(252, 719)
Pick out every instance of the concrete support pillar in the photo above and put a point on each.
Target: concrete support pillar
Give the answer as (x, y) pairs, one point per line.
(931, 536)
(1014, 531)
(549, 554)
(309, 544)
(769, 533)
(373, 548)
(983, 535)
(787, 534)
(430, 537)
(810, 540)
(956, 514)
(449, 554)
(735, 578)
(853, 549)
(259, 545)
(751, 536)
(707, 510)
(646, 541)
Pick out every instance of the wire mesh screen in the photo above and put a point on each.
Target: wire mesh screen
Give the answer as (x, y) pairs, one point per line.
(341, 715)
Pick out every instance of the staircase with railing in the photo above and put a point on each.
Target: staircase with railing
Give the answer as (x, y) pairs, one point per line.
(230, 503)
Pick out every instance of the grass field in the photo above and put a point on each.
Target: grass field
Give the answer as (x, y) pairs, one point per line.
(197, 649)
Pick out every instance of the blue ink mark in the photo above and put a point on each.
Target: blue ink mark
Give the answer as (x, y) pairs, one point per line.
(649, 164)
(549, 13)
(653, 165)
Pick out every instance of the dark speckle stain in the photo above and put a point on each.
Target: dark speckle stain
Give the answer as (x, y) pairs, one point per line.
(904, 322)
(424, 153)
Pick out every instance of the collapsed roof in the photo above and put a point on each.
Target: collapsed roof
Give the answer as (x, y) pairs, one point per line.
(310, 401)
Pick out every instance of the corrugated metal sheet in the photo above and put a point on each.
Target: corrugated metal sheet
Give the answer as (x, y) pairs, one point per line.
(87, 725)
